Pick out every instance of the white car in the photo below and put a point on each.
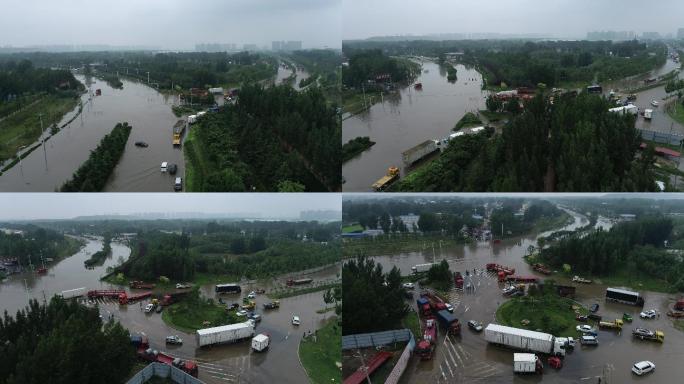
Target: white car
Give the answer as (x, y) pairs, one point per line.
(449, 307)
(585, 328)
(643, 367)
(164, 166)
(251, 295)
(508, 290)
(149, 308)
(174, 340)
(650, 314)
(241, 312)
(408, 285)
(295, 320)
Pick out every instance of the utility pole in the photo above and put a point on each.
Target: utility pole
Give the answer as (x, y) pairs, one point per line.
(28, 298)
(148, 77)
(40, 116)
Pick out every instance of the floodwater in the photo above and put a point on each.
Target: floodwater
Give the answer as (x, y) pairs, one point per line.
(469, 358)
(408, 118)
(284, 73)
(145, 109)
(218, 364)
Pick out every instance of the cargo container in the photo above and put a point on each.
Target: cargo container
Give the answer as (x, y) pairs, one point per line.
(624, 296)
(224, 334)
(525, 340)
(260, 342)
(420, 268)
(526, 363)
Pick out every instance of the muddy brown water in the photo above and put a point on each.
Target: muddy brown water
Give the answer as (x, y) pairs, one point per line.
(145, 109)
(469, 358)
(218, 364)
(407, 119)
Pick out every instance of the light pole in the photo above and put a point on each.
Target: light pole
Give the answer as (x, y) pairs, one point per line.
(40, 116)
(20, 166)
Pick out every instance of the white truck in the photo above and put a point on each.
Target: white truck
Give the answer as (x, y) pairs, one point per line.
(192, 119)
(72, 293)
(648, 114)
(525, 340)
(525, 363)
(225, 334)
(260, 342)
(420, 151)
(629, 108)
(420, 268)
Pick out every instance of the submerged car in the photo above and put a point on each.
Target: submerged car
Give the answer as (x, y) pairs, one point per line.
(241, 312)
(582, 318)
(650, 314)
(643, 367)
(174, 340)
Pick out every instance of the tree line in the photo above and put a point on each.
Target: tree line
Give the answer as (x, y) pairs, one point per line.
(99, 257)
(35, 242)
(365, 65)
(355, 146)
(63, 342)
(632, 248)
(548, 147)
(371, 299)
(268, 141)
(22, 78)
(92, 175)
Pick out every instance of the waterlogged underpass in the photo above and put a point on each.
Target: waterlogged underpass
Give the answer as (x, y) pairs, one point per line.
(234, 363)
(469, 359)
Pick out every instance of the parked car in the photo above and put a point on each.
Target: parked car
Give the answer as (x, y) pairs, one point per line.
(159, 309)
(586, 329)
(141, 144)
(252, 295)
(643, 367)
(650, 314)
(408, 285)
(178, 184)
(254, 316)
(241, 312)
(508, 290)
(174, 340)
(594, 308)
(164, 166)
(594, 316)
(234, 306)
(173, 168)
(295, 320)
(589, 340)
(149, 308)
(475, 325)
(582, 318)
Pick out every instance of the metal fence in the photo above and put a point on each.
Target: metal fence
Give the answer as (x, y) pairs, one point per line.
(662, 137)
(402, 363)
(165, 371)
(364, 340)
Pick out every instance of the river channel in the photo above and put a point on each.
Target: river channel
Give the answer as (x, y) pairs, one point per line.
(233, 363)
(407, 118)
(145, 109)
(469, 358)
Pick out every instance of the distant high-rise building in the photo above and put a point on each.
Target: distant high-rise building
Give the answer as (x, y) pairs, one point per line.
(249, 47)
(287, 46)
(651, 36)
(611, 35)
(214, 47)
(680, 33)
(276, 46)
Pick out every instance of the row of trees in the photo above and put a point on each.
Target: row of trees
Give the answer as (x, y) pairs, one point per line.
(634, 248)
(21, 78)
(355, 147)
(365, 65)
(35, 242)
(546, 148)
(94, 173)
(63, 342)
(371, 300)
(272, 139)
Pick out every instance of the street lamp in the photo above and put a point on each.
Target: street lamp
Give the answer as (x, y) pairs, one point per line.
(20, 166)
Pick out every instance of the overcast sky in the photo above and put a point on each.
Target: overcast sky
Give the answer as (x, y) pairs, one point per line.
(25, 206)
(170, 24)
(560, 18)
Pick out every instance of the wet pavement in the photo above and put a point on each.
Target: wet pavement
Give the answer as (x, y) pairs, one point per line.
(145, 109)
(217, 364)
(408, 118)
(469, 358)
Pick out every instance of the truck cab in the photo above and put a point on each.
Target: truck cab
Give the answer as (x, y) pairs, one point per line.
(560, 345)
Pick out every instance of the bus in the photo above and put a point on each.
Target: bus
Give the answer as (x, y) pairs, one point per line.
(624, 296)
(595, 89)
(228, 288)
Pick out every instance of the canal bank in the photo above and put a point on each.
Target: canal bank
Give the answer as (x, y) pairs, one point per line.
(145, 109)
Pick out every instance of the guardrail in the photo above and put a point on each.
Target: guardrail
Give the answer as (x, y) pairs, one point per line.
(164, 371)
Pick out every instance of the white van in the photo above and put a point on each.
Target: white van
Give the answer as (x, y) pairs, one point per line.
(178, 184)
(164, 166)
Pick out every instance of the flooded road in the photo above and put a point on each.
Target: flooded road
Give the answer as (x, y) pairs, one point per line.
(408, 118)
(145, 109)
(217, 364)
(469, 358)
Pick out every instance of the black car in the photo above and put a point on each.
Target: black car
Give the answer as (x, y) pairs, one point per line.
(582, 318)
(172, 169)
(141, 144)
(594, 317)
(594, 307)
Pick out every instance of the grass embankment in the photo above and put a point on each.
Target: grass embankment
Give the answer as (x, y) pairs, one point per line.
(677, 115)
(99, 257)
(546, 223)
(195, 166)
(679, 324)
(23, 127)
(468, 120)
(353, 101)
(396, 243)
(546, 313)
(493, 117)
(355, 147)
(190, 315)
(352, 228)
(180, 110)
(321, 356)
(296, 292)
(412, 322)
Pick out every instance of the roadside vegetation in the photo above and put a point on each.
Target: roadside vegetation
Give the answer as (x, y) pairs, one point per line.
(468, 120)
(355, 147)
(439, 277)
(372, 300)
(92, 175)
(194, 312)
(541, 310)
(113, 80)
(631, 253)
(63, 342)
(273, 139)
(28, 247)
(545, 148)
(321, 354)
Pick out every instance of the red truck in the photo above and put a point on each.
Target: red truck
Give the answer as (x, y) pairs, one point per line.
(679, 305)
(171, 298)
(436, 303)
(449, 322)
(424, 306)
(426, 347)
(292, 282)
(113, 293)
(541, 268)
(124, 298)
(144, 352)
(500, 268)
(458, 280)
